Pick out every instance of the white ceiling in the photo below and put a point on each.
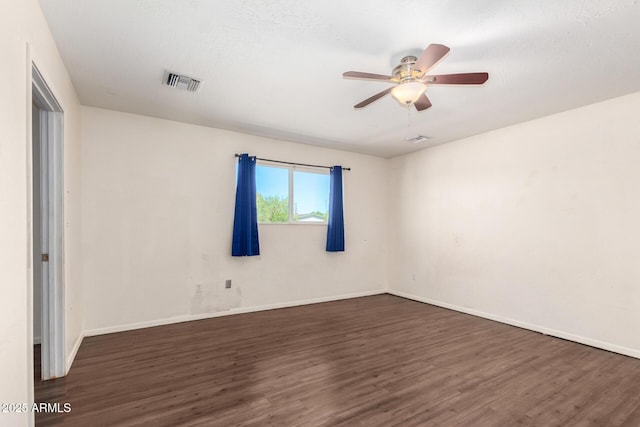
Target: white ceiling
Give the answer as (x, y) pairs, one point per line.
(274, 67)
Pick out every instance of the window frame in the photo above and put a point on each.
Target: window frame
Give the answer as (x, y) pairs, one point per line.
(291, 169)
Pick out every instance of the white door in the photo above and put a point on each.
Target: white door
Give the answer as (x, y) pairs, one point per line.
(37, 227)
(48, 224)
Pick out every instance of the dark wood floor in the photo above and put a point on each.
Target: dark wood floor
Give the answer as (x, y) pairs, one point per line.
(374, 361)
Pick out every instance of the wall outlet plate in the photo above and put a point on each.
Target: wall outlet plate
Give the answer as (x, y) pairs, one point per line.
(227, 284)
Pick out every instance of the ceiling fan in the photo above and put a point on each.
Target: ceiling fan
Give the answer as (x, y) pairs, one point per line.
(411, 78)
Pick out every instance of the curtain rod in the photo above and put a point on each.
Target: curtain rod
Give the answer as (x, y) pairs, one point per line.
(293, 163)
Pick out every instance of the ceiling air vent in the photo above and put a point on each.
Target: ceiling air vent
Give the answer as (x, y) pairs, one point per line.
(181, 82)
(418, 139)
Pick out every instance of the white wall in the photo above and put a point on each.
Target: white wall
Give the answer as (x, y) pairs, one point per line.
(158, 202)
(22, 24)
(535, 224)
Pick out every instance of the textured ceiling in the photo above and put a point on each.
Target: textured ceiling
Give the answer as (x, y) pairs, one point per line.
(274, 67)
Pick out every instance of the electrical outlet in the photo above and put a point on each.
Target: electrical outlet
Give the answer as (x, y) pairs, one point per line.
(227, 284)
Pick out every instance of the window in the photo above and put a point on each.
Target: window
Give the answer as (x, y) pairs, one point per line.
(310, 196)
(291, 195)
(272, 194)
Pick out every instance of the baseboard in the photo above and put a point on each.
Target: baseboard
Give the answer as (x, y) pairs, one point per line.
(74, 351)
(240, 310)
(530, 326)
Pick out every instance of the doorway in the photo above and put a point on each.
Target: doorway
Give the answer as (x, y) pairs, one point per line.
(48, 245)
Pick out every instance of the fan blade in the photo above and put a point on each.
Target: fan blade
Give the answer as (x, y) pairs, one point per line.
(431, 56)
(373, 98)
(422, 103)
(365, 76)
(457, 79)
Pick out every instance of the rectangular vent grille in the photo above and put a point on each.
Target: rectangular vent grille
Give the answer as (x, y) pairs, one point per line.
(182, 82)
(418, 139)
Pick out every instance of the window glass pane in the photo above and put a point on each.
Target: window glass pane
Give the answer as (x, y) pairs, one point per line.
(310, 197)
(272, 194)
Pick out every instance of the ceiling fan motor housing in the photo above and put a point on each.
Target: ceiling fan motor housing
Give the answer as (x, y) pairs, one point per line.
(405, 72)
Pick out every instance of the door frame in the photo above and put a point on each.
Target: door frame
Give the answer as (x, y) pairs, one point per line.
(52, 191)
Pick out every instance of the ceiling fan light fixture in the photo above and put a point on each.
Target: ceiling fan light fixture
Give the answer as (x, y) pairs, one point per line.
(411, 79)
(408, 92)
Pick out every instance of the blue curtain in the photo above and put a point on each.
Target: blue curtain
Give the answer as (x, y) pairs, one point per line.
(335, 230)
(245, 221)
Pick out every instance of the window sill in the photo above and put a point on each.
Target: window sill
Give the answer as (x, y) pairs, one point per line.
(292, 223)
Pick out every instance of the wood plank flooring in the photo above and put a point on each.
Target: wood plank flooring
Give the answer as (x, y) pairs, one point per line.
(374, 361)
